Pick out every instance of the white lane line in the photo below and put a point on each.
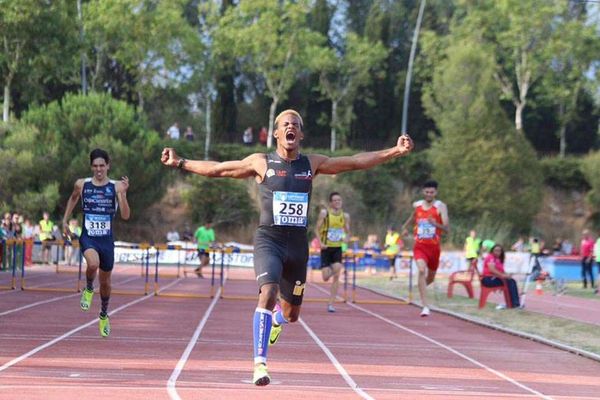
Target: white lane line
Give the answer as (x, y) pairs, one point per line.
(188, 350)
(336, 363)
(454, 351)
(73, 331)
(51, 300)
(39, 303)
(450, 349)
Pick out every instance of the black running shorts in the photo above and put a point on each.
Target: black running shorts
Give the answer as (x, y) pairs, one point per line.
(280, 256)
(330, 255)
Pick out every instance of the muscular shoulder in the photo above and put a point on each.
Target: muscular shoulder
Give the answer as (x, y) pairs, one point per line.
(315, 161)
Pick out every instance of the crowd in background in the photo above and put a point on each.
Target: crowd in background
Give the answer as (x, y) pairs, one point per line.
(19, 226)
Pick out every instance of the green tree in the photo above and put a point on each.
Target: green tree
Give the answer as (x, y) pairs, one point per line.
(342, 74)
(270, 38)
(150, 40)
(39, 41)
(590, 167)
(49, 149)
(521, 34)
(572, 56)
(224, 201)
(484, 168)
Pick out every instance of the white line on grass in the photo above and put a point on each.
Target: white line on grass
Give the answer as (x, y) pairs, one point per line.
(73, 331)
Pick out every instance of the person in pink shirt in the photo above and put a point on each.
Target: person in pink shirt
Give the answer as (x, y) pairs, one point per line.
(587, 258)
(494, 275)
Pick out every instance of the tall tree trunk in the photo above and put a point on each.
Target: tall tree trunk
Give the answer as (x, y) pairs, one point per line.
(519, 117)
(334, 124)
(208, 127)
(562, 133)
(6, 105)
(225, 110)
(271, 121)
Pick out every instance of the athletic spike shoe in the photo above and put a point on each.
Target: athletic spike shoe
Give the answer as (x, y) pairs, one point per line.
(104, 326)
(86, 299)
(261, 375)
(330, 308)
(425, 312)
(275, 332)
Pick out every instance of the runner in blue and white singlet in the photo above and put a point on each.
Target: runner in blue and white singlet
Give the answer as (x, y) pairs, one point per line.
(99, 205)
(100, 199)
(281, 243)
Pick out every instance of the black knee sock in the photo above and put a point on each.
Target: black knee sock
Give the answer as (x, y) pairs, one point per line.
(90, 284)
(104, 307)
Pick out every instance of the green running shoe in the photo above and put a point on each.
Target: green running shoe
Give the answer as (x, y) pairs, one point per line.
(86, 299)
(275, 332)
(261, 375)
(104, 325)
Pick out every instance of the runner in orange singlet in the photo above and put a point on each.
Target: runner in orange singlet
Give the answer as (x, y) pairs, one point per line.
(430, 218)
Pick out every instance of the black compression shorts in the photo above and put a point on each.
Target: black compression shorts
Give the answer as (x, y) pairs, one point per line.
(280, 256)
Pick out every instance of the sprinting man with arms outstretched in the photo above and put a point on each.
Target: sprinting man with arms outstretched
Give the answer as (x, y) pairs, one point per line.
(285, 178)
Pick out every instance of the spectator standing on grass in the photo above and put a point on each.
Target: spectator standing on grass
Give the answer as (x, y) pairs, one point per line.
(587, 258)
(172, 235)
(472, 247)
(393, 243)
(46, 227)
(29, 236)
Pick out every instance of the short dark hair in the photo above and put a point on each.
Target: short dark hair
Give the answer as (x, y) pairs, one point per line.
(333, 194)
(99, 153)
(430, 184)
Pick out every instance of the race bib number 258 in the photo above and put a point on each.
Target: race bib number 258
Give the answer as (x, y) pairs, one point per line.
(290, 208)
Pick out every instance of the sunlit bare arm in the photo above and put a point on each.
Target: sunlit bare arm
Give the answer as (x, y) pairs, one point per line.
(334, 165)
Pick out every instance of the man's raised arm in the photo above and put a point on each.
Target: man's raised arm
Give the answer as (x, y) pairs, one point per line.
(334, 165)
(250, 166)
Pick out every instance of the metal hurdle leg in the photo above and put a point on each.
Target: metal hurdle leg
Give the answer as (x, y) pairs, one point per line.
(23, 263)
(147, 271)
(212, 275)
(14, 265)
(156, 272)
(354, 282)
(222, 281)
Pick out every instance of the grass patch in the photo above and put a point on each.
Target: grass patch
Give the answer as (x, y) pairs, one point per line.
(577, 334)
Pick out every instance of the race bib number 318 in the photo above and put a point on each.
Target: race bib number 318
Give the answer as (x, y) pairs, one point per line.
(290, 208)
(97, 225)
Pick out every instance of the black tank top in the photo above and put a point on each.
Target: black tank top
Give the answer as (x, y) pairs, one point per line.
(285, 192)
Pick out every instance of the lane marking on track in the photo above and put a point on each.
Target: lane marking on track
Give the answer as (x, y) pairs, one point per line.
(75, 330)
(454, 351)
(335, 362)
(448, 348)
(172, 382)
(8, 291)
(51, 300)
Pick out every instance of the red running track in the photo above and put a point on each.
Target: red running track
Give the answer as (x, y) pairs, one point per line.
(194, 348)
